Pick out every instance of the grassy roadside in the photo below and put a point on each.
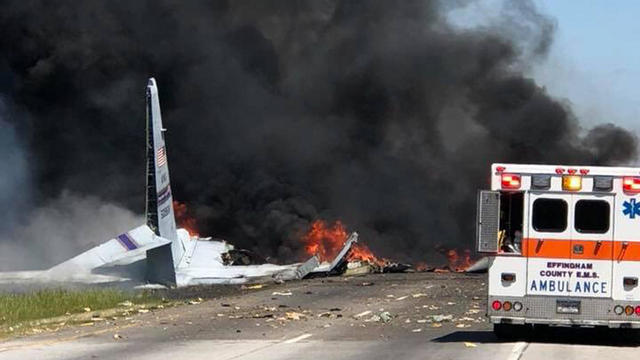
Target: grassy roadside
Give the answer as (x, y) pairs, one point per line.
(19, 312)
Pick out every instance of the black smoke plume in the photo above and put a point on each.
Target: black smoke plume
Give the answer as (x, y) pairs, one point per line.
(378, 113)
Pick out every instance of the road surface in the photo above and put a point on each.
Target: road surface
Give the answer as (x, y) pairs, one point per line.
(430, 316)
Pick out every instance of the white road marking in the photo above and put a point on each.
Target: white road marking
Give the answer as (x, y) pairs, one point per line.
(296, 339)
(269, 345)
(518, 350)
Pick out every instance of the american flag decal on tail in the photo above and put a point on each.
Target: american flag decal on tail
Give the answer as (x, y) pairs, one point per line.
(161, 156)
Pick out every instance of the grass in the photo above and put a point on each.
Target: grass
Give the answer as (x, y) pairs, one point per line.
(16, 309)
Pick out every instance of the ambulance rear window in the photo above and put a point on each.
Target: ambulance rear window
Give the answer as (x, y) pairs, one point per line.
(592, 216)
(549, 215)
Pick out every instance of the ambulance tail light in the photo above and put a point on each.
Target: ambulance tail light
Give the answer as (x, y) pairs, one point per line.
(511, 181)
(571, 182)
(618, 310)
(637, 310)
(506, 306)
(496, 305)
(629, 310)
(517, 306)
(631, 184)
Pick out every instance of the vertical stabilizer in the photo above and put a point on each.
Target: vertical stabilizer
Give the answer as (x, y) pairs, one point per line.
(159, 204)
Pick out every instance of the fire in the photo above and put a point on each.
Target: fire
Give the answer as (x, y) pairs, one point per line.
(326, 241)
(459, 263)
(422, 266)
(361, 252)
(184, 218)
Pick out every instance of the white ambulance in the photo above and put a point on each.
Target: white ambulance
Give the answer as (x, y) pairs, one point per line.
(564, 246)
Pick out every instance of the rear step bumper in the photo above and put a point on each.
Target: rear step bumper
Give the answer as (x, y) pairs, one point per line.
(552, 310)
(614, 324)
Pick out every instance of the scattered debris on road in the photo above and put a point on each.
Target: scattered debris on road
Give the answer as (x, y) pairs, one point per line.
(364, 313)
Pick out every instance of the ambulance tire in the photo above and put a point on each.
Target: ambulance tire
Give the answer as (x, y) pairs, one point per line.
(510, 331)
(631, 335)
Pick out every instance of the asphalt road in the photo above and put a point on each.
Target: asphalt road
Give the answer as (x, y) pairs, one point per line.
(430, 316)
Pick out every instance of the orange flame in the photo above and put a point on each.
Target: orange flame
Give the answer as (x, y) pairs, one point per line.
(324, 241)
(361, 252)
(184, 218)
(327, 241)
(422, 266)
(459, 263)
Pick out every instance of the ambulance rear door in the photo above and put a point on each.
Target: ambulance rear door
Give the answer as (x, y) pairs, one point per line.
(592, 244)
(548, 241)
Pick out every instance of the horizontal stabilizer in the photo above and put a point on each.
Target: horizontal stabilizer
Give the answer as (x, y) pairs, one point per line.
(122, 250)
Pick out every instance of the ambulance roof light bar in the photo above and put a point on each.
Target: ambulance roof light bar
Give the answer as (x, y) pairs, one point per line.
(571, 182)
(511, 181)
(631, 184)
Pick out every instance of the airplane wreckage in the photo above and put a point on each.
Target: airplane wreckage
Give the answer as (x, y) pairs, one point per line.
(168, 255)
(160, 253)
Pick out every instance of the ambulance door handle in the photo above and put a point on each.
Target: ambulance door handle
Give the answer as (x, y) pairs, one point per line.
(625, 245)
(598, 245)
(539, 244)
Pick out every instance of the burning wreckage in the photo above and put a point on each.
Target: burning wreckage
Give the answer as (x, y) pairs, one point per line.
(174, 257)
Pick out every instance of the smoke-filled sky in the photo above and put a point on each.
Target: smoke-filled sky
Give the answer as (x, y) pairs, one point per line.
(590, 62)
(382, 114)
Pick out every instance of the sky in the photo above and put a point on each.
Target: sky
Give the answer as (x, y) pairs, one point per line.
(594, 60)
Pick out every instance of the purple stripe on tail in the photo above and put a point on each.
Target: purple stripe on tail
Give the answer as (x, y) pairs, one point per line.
(164, 195)
(127, 242)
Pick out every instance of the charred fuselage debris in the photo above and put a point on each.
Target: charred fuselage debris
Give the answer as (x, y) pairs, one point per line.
(242, 257)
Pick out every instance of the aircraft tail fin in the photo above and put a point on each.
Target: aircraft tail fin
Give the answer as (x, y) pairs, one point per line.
(161, 261)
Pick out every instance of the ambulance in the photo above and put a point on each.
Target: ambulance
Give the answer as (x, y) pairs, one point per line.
(563, 244)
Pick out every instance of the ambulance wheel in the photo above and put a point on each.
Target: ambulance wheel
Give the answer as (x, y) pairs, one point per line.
(631, 335)
(509, 331)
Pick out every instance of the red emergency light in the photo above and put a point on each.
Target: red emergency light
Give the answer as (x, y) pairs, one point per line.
(630, 184)
(510, 181)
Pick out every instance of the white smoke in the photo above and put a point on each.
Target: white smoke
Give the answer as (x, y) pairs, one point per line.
(38, 237)
(62, 229)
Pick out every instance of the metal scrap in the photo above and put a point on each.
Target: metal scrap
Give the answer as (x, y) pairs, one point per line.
(252, 287)
(239, 257)
(441, 318)
(364, 313)
(292, 315)
(384, 317)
